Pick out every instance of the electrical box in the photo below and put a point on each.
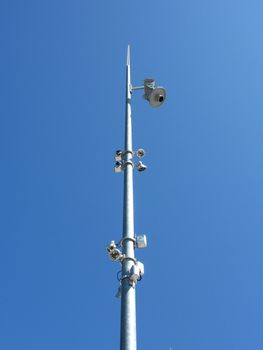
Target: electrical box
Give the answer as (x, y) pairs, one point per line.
(136, 272)
(141, 268)
(141, 241)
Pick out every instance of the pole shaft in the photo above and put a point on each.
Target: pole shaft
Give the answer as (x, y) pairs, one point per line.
(128, 303)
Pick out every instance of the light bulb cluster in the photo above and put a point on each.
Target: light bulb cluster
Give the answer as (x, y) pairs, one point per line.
(120, 161)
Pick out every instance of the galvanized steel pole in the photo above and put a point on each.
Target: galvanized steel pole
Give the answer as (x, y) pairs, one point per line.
(124, 251)
(128, 304)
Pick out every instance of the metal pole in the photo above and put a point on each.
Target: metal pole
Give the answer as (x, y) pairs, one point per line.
(128, 304)
(124, 251)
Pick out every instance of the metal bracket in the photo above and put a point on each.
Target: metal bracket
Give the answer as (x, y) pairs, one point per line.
(123, 277)
(128, 162)
(126, 152)
(131, 283)
(128, 258)
(137, 87)
(126, 239)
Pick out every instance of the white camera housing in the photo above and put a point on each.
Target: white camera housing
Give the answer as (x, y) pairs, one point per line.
(156, 95)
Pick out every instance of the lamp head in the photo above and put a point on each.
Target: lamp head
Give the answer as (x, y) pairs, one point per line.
(118, 167)
(118, 155)
(140, 152)
(141, 166)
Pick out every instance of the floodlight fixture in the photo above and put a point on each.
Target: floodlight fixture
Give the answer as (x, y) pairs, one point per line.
(140, 153)
(141, 167)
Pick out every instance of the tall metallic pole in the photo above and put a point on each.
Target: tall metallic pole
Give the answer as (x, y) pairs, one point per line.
(128, 307)
(123, 251)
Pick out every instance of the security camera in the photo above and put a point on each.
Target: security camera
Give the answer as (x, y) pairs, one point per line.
(114, 253)
(157, 97)
(140, 153)
(141, 166)
(154, 94)
(118, 155)
(110, 247)
(118, 167)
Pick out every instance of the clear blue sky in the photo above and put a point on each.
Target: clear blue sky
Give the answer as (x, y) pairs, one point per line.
(200, 203)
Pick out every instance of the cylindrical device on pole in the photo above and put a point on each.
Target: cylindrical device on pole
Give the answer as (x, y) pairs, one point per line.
(128, 304)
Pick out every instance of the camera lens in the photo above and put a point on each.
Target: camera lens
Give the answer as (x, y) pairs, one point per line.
(161, 98)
